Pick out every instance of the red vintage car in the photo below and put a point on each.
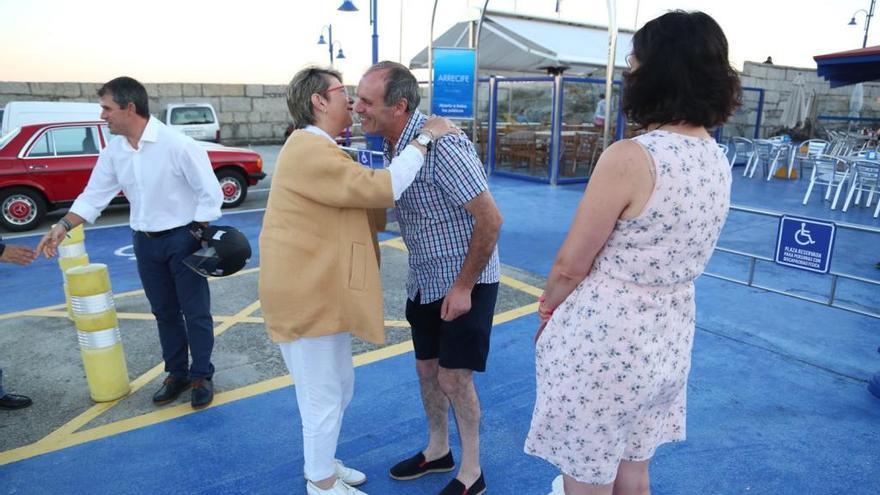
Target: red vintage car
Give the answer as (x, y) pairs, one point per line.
(46, 166)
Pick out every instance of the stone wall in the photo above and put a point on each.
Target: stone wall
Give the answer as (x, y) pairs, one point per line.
(257, 113)
(777, 80)
(248, 113)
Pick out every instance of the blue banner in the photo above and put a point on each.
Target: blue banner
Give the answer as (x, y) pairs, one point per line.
(453, 85)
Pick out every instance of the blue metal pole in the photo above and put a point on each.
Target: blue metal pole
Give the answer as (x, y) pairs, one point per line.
(493, 116)
(374, 19)
(330, 35)
(374, 141)
(760, 113)
(556, 129)
(621, 121)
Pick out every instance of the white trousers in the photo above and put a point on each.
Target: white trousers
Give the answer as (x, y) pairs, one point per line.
(323, 378)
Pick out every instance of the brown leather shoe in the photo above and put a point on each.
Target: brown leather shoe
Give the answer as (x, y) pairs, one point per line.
(202, 392)
(171, 389)
(13, 401)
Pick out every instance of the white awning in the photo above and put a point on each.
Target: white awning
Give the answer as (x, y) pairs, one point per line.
(517, 43)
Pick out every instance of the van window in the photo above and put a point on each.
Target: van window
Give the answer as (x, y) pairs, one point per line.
(8, 137)
(191, 116)
(43, 147)
(75, 141)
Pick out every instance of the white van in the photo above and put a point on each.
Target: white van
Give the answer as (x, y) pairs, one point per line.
(196, 120)
(19, 113)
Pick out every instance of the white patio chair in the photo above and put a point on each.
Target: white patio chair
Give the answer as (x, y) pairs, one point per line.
(805, 152)
(782, 153)
(742, 148)
(767, 153)
(865, 178)
(829, 171)
(840, 147)
(725, 149)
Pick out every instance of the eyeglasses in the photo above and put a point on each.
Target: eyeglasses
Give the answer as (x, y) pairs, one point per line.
(333, 88)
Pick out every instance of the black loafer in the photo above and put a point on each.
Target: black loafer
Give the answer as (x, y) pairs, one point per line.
(416, 467)
(456, 487)
(202, 392)
(13, 401)
(171, 389)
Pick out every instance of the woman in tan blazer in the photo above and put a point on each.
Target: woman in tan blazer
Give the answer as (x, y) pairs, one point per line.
(319, 270)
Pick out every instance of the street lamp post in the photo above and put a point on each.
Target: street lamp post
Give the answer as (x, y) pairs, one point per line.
(374, 142)
(348, 6)
(868, 15)
(330, 43)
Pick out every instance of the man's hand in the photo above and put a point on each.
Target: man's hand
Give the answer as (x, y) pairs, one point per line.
(456, 303)
(20, 255)
(48, 245)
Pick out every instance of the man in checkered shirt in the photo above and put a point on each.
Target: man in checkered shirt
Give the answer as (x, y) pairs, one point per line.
(450, 225)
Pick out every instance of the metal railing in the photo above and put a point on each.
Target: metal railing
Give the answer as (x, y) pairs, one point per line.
(835, 276)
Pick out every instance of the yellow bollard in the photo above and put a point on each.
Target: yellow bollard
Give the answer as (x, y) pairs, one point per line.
(97, 328)
(71, 253)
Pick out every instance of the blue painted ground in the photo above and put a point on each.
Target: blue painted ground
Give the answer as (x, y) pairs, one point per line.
(777, 399)
(758, 422)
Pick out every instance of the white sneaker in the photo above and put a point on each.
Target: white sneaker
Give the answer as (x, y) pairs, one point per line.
(557, 487)
(338, 488)
(351, 477)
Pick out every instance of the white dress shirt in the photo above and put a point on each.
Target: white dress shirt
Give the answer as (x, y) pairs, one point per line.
(168, 180)
(404, 167)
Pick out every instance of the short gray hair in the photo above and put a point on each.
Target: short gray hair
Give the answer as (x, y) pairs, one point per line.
(399, 84)
(304, 84)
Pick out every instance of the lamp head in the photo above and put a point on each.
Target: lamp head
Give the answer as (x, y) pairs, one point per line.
(347, 6)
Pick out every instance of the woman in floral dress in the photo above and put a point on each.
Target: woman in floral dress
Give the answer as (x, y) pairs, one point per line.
(617, 318)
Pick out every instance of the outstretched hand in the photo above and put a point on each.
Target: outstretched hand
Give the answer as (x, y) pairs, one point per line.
(20, 255)
(48, 245)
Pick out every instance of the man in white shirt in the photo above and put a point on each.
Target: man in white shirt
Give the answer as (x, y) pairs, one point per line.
(170, 184)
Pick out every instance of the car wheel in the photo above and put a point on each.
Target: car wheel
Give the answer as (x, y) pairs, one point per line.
(21, 209)
(234, 187)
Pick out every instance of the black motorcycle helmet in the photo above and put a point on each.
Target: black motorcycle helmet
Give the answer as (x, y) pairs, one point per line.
(225, 250)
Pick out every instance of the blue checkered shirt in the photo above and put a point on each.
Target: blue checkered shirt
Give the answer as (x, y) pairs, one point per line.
(435, 226)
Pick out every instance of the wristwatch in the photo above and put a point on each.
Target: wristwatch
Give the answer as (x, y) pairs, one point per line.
(425, 140)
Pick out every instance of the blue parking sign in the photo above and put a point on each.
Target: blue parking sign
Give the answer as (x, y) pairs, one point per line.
(365, 158)
(805, 244)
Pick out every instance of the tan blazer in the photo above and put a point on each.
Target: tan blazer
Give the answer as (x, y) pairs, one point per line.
(319, 270)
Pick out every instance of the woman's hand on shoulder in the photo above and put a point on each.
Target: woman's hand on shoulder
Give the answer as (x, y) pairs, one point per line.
(439, 127)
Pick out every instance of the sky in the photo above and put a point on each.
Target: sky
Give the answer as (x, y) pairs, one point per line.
(267, 41)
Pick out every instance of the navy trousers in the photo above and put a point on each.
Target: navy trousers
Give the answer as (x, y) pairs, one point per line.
(179, 299)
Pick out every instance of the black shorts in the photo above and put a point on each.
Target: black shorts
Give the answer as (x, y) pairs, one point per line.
(462, 343)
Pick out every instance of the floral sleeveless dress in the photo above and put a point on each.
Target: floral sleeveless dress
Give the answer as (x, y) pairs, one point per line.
(613, 362)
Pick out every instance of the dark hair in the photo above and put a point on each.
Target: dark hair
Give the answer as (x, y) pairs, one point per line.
(125, 90)
(683, 73)
(399, 84)
(304, 84)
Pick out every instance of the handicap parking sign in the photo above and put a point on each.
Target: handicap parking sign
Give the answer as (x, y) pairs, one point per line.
(365, 158)
(371, 159)
(805, 244)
